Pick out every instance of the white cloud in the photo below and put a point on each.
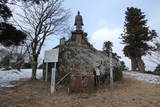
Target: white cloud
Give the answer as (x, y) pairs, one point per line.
(106, 34)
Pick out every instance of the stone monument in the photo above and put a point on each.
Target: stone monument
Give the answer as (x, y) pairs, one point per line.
(78, 22)
(78, 35)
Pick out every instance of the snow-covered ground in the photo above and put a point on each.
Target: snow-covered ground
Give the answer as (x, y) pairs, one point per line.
(12, 75)
(143, 77)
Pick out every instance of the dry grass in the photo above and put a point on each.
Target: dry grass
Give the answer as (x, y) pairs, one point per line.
(126, 93)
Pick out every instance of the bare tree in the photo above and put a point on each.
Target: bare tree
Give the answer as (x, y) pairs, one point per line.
(41, 21)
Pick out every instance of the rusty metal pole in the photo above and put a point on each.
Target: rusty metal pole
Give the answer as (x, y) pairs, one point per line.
(111, 68)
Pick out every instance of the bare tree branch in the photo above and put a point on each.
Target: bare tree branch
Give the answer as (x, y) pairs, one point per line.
(40, 21)
(155, 54)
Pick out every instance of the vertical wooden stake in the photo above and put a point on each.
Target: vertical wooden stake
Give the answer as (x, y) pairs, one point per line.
(46, 71)
(111, 69)
(53, 78)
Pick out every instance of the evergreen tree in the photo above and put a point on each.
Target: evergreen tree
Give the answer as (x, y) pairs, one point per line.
(10, 35)
(136, 36)
(5, 12)
(106, 47)
(123, 66)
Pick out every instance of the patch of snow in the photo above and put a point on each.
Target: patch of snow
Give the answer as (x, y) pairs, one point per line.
(6, 85)
(150, 78)
(12, 75)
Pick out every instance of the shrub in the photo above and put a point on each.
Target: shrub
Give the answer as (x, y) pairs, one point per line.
(117, 74)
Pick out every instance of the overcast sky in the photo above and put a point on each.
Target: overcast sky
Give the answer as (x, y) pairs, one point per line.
(104, 20)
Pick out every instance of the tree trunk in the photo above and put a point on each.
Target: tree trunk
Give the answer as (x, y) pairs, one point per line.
(133, 63)
(141, 64)
(137, 64)
(34, 68)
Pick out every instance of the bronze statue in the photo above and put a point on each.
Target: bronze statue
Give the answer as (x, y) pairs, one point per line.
(78, 21)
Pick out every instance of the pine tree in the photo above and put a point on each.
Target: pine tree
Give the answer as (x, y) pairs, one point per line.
(10, 35)
(5, 11)
(136, 36)
(106, 47)
(123, 66)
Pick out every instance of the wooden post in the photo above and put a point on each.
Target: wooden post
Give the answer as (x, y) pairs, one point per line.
(46, 71)
(53, 78)
(97, 77)
(111, 68)
(55, 64)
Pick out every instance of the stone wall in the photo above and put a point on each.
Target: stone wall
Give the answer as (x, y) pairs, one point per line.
(83, 60)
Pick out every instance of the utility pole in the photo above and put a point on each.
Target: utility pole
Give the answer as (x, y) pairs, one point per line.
(111, 67)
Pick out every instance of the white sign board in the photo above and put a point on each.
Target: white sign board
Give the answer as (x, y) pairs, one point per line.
(51, 55)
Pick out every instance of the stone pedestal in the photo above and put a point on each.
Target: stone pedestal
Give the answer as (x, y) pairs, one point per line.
(78, 36)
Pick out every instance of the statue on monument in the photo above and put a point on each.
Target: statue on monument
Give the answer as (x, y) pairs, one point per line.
(78, 22)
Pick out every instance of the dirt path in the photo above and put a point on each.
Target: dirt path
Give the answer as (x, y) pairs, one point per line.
(126, 93)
